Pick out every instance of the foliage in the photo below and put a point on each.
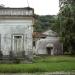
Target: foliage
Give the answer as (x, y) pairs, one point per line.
(44, 23)
(65, 25)
(43, 64)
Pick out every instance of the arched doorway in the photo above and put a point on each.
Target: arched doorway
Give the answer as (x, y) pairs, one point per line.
(49, 49)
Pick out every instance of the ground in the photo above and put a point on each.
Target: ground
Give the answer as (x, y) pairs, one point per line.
(42, 64)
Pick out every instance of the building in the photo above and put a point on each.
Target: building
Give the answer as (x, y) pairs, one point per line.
(16, 28)
(49, 45)
(37, 36)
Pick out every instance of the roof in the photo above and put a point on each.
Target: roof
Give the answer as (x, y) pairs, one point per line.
(38, 35)
(7, 11)
(28, 8)
(47, 33)
(50, 33)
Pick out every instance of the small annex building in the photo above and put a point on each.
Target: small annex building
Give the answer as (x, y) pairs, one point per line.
(16, 28)
(48, 44)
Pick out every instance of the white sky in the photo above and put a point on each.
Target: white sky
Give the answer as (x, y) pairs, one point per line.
(42, 7)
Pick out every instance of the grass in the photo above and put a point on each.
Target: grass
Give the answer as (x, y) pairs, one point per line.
(41, 64)
(54, 59)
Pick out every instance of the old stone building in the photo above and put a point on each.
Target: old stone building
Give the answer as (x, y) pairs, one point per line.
(16, 28)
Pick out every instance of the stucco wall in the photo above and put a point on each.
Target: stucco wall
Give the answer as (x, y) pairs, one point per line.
(41, 46)
(9, 27)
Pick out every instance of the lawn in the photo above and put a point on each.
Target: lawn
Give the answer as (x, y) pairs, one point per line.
(42, 64)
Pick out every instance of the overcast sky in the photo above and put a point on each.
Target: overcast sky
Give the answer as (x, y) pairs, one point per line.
(42, 7)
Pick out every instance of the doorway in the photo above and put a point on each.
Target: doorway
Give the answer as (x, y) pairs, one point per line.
(49, 49)
(18, 45)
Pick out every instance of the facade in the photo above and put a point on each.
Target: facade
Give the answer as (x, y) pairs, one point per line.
(16, 28)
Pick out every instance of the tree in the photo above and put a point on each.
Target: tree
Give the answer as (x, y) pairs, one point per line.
(44, 23)
(65, 25)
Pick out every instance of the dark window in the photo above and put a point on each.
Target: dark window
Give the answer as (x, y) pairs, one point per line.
(18, 37)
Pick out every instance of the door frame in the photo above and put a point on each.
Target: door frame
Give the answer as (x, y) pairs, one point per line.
(12, 40)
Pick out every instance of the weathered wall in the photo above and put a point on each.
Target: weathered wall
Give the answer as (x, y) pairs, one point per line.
(10, 26)
(41, 46)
